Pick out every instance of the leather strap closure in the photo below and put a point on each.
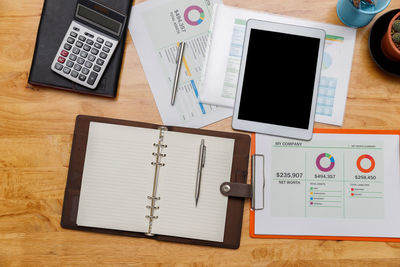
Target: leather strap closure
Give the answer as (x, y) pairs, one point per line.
(236, 190)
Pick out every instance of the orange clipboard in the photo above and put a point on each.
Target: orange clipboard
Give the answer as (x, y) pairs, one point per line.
(352, 238)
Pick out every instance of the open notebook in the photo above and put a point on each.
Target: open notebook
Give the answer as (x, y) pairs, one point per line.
(141, 179)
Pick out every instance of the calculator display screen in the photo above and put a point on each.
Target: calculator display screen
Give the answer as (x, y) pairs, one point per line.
(100, 20)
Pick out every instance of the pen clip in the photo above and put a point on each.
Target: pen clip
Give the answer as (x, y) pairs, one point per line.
(203, 158)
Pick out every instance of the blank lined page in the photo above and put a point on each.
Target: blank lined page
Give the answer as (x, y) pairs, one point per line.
(178, 214)
(117, 177)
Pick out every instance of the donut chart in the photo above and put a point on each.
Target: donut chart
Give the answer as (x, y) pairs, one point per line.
(371, 160)
(318, 162)
(194, 22)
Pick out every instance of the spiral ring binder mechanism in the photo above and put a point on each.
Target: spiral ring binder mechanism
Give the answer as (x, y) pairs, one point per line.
(253, 181)
(157, 163)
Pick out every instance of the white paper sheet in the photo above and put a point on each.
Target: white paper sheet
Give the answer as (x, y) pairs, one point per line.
(221, 74)
(178, 214)
(156, 27)
(341, 193)
(117, 177)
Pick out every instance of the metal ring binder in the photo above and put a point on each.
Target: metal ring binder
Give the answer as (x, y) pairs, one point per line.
(157, 163)
(161, 154)
(253, 178)
(160, 145)
(151, 217)
(151, 197)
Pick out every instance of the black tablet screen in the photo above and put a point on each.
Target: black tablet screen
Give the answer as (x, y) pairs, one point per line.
(279, 77)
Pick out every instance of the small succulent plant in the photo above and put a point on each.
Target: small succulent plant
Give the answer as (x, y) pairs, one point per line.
(396, 25)
(396, 38)
(396, 32)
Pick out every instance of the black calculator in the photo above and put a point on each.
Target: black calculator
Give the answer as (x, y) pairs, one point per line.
(89, 43)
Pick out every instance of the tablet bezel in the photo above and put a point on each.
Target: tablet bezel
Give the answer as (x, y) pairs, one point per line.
(273, 129)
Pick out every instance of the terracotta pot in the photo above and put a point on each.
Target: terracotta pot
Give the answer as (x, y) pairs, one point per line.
(389, 49)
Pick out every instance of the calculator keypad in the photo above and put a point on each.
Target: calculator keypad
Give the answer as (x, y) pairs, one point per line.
(83, 55)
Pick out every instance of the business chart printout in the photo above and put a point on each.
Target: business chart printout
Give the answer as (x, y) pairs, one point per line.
(340, 179)
(157, 27)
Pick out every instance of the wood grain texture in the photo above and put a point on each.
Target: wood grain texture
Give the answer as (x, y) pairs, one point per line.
(36, 127)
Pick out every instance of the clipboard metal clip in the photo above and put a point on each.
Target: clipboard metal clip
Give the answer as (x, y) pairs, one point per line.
(253, 181)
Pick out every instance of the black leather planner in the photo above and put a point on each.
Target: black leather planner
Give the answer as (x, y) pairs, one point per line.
(55, 20)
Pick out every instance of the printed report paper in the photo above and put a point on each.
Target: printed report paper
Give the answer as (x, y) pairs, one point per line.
(156, 28)
(333, 185)
(221, 75)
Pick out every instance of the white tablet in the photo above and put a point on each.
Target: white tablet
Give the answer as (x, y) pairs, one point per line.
(278, 79)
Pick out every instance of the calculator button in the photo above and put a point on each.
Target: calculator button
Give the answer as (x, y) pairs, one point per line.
(81, 61)
(74, 74)
(69, 63)
(91, 58)
(64, 53)
(79, 44)
(83, 54)
(94, 51)
(75, 50)
(90, 42)
(66, 70)
(70, 40)
(106, 49)
(97, 45)
(96, 68)
(85, 71)
(86, 47)
(88, 34)
(76, 29)
(72, 57)
(100, 61)
(103, 55)
(82, 77)
(67, 47)
(82, 38)
(77, 67)
(99, 40)
(108, 44)
(92, 78)
(58, 66)
(73, 34)
(88, 64)
(61, 59)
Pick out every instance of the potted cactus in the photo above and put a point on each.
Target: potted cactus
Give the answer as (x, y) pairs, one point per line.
(391, 40)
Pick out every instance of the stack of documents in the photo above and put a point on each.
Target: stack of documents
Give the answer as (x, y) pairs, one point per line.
(214, 35)
(156, 28)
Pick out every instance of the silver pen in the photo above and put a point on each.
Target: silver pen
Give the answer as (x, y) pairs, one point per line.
(200, 166)
(179, 58)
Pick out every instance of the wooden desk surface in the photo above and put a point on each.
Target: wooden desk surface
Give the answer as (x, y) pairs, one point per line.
(36, 127)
